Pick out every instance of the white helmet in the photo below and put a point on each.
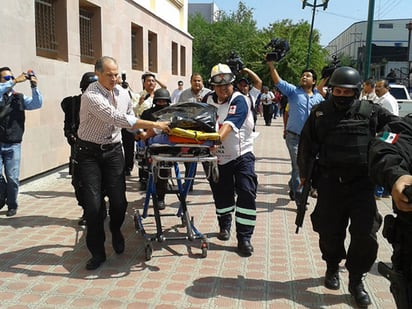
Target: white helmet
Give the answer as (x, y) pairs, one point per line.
(221, 75)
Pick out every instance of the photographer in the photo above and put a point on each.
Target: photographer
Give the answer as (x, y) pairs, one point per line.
(12, 118)
(128, 140)
(251, 89)
(301, 99)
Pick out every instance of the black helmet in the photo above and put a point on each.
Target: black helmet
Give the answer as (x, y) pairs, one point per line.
(87, 79)
(161, 94)
(346, 77)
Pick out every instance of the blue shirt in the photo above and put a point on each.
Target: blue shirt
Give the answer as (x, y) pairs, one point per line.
(30, 103)
(300, 105)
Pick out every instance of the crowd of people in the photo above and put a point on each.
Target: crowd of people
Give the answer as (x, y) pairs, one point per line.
(342, 130)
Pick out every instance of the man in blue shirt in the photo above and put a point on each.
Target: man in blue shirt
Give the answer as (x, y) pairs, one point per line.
(12, 118)
(301, 99)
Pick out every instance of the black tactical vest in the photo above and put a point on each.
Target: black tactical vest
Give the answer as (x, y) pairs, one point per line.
(345, 136)
(12, 118)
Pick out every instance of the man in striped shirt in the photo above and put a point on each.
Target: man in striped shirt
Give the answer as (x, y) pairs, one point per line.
(105, 109)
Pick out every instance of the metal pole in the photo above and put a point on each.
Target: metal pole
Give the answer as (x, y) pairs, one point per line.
(368, 53)
(310, 35)
(409, 27)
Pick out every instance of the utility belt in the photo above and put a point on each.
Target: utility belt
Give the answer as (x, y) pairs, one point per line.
(98, 147)
(342, 175)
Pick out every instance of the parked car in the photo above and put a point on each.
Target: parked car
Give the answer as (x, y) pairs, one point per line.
(401, 94)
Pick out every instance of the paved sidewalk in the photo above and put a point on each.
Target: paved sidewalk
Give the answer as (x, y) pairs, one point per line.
(43, 253)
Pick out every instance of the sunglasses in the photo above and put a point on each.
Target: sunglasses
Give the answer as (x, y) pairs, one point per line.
(222, 79)
(8, 77)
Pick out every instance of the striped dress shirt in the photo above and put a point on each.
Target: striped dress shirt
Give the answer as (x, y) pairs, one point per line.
(103, 113)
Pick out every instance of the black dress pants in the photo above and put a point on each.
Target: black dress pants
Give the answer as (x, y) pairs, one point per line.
(100, 169)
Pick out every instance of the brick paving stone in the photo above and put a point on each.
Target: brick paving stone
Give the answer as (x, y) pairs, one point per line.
(43, 252)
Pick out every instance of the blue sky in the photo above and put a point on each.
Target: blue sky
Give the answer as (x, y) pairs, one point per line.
(339, 15)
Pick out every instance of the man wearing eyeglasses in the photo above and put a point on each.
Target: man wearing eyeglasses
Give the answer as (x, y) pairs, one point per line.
(236, 161)
(12, 118)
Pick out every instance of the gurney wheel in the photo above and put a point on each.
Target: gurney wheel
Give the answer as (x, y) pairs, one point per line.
(137, 221)
(215, 174)
(204, 246)
(148, 250)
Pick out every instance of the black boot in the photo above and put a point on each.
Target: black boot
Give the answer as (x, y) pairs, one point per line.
(357, 290)
(332, 276)
(332, 280)
(225, 223)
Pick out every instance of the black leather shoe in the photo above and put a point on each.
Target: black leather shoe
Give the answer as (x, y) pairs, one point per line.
(291, 196)
(244, 248)
(224, 234)
(118, 242)
(161, 204)
(94, 263)
(361, 296)
(332, 280)
(11, 212)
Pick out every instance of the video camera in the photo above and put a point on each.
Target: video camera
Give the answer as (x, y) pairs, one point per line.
(235, 63)
(278, 49)
(124, 84)
(329, 69)
(29, 74)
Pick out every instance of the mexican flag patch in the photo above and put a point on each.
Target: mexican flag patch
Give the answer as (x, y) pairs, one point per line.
(389, 137)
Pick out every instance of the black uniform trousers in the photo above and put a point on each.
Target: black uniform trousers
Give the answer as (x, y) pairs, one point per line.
(342, 201)
(101, 167)
(128, 142)
(237, 178)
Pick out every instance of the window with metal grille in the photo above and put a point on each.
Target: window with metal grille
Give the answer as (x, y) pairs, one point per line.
(46, 25)
(51, 29)
(86, 34)
(90, 32)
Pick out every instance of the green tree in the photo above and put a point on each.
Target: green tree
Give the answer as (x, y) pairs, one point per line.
(237, 31)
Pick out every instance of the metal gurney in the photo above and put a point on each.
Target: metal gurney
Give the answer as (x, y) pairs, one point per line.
(167, 158)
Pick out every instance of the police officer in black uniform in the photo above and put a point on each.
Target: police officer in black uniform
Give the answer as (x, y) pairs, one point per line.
(337, 134)
(71, 107)
(390, 165)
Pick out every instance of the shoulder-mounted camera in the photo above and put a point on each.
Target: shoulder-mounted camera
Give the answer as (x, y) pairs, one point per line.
(278, 48)
(235, 63)
(124, 83)
(329, 69)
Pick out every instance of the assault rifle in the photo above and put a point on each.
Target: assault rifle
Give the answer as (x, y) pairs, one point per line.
(302, 201)
(399, 285)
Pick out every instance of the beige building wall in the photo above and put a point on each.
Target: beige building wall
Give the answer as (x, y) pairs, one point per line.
(44, 146)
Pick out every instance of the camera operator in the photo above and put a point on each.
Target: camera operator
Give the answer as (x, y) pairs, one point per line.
(301, 99)
(251, 89)
(12, 118)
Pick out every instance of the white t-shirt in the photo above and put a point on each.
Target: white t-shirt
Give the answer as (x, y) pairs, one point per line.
(389, 102)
